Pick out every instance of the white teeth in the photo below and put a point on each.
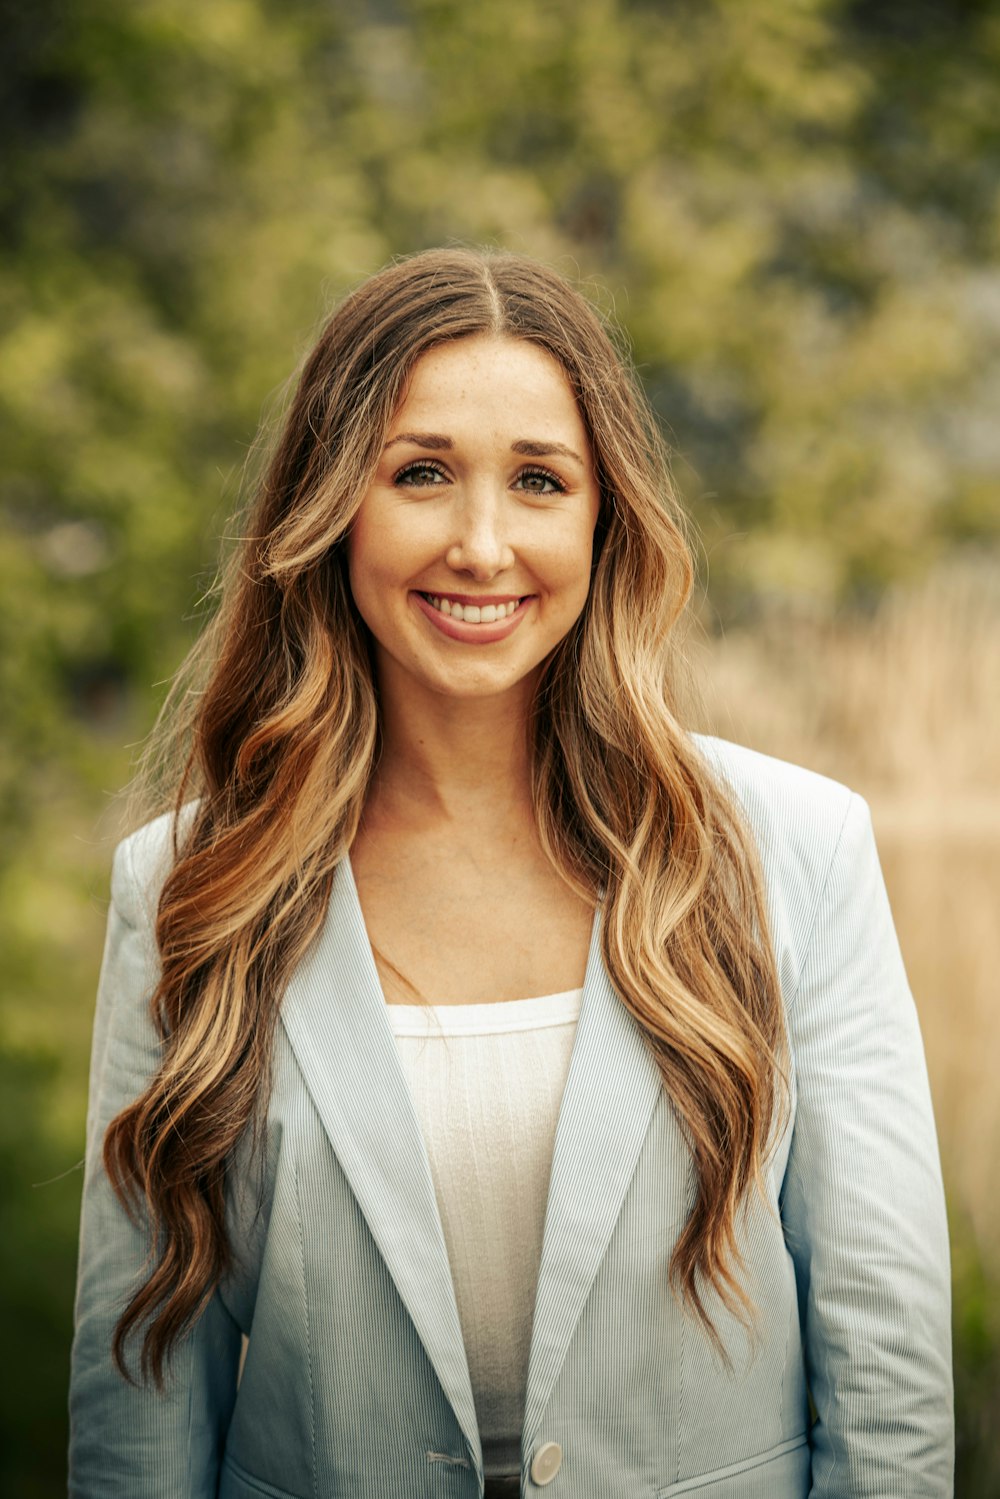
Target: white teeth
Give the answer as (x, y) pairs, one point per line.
(473, 614)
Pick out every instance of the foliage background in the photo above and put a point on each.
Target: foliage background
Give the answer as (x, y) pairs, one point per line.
(792, 206)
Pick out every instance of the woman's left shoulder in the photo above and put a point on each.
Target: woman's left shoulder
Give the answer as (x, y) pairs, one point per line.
(802, 823)
(776, 796)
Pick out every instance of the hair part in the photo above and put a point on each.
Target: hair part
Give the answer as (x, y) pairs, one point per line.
(270, 734)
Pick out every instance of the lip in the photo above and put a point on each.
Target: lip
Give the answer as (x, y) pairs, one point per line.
(470, 634)
(476, 598)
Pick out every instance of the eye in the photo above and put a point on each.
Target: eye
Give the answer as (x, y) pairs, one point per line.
(421, 474)
(540, 481)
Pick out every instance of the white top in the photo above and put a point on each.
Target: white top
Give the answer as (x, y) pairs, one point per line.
(487, 1081)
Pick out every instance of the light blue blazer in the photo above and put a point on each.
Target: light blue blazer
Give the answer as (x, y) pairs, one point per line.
(355, 1384)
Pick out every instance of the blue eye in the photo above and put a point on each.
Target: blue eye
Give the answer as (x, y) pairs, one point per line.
(420, 474)
(540, 481)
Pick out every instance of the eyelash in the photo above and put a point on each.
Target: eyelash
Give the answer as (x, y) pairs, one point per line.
(526, 473)
(420, 467)
(544, 473)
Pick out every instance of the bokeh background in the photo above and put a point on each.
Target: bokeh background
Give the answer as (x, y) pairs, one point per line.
(793, 208)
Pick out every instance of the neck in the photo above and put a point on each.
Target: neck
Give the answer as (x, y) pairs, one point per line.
(460, 762)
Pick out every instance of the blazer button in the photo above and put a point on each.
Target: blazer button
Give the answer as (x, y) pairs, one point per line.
(546, 1463)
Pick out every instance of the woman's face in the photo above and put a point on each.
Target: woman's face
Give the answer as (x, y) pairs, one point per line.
(470, 557)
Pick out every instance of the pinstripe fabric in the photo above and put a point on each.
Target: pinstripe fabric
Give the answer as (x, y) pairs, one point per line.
(355, 1381)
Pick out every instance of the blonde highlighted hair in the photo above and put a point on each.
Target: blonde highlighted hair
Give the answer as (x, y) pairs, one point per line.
(273, 729)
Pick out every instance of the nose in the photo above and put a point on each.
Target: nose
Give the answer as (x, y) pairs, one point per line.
(479, 544)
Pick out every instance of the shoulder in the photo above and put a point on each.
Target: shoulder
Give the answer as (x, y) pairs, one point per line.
(783, 804)
(142, 862)
(803, 825)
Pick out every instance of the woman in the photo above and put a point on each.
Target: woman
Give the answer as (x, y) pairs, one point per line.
(663, 1167)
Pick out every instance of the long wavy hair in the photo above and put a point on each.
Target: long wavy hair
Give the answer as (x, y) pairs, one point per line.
(272, 727)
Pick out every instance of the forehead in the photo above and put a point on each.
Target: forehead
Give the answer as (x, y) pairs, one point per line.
(511, 379)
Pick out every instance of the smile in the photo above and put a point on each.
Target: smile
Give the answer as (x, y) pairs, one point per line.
(478, 624)
(472, 614)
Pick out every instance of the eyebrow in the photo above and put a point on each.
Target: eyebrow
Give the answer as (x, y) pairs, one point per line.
(422, 440)
(532, 449)
(528, 447)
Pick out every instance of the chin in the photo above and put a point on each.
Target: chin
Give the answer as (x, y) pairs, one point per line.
(476, 685)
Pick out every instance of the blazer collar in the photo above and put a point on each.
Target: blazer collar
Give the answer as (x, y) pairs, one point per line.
(334, 1013)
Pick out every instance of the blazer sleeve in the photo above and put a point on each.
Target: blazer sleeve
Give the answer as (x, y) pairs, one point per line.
(127, 1440)
(863, 1204)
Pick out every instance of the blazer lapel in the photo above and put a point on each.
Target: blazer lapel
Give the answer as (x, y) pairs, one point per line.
(334, 1013)
(611, 1090)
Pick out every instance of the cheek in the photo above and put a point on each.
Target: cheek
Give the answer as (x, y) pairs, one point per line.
(365, 565)
(570, 563)
(356, 572)
(373, 555)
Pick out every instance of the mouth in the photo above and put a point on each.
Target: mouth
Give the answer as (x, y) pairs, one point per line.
(473, 623)
(488, 611)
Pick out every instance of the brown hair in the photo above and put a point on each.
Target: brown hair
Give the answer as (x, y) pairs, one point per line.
(272, 725)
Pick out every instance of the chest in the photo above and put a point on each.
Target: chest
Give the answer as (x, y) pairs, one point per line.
(463, 924)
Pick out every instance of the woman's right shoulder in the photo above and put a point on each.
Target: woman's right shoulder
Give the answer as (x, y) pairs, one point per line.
(142, 861)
